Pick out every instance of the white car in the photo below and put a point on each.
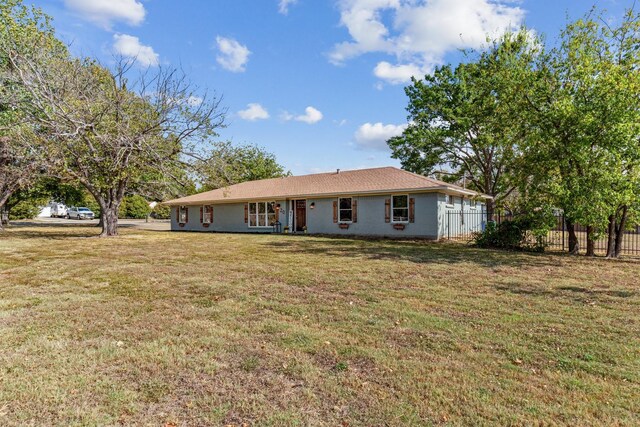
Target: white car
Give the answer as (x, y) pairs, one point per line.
(80, 213)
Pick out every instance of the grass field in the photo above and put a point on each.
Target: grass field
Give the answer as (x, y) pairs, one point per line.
(172, 329)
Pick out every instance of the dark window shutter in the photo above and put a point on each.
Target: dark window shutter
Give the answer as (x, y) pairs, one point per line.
(335, 211)
(178, 214)
(211, 214)
(387, 210)
(354, 208)
(187, 220)
(201, 214)
(412, 210)
(246, 213)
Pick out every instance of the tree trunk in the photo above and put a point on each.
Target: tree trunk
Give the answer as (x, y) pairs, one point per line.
(591, 244)
(620, 229)
(611, 236)
(574, 244)
(491, 209)
(109, 221)
(109, 202)
(3, 202)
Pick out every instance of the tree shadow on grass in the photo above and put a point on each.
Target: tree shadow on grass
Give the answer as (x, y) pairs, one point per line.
(576, 293)
(45, 225)
(416, 251)
(51, 235)
(23, 230)
(59, 230)
(51, 230)
(608, 292)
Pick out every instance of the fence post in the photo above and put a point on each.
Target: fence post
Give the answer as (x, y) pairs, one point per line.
(448, 225)
(563, 225)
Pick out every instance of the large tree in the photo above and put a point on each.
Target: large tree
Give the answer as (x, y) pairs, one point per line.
(22, 155)
(18, 166)
(460, 120)
(582, 101)
(110, 132)
(229, 164)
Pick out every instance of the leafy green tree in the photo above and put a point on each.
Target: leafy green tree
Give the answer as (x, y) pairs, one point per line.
(136, 207)
(110, 133)
(175, 180)
(460, 120)
(27, 201)
(228, 164)
(161, 212)
(22, 157)
(581, 107)
(26, 209)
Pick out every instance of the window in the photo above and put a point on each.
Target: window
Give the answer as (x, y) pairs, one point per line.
(345, 206)
(473, 203)
(207, 214)
(449, 200)
(183, 215)
(271, 214)
(400, 208)
(262, 214)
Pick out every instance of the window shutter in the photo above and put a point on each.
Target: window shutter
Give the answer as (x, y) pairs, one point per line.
(187, 220)
(387, 210)
(201, 214)
(354, 208)
(211, 214)
(335, 211)
(412, 210)
(246, 213)
(178, 214)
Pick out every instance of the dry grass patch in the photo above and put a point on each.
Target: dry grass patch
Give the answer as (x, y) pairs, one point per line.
(211, 329)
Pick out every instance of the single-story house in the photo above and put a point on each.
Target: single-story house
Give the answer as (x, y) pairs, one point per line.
(371, 202)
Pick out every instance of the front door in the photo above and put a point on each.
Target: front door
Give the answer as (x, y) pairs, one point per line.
(301, 215)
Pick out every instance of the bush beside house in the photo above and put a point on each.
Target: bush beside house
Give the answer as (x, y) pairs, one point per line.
(523, 232)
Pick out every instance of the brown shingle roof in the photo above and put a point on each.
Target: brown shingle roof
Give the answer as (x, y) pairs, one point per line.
(362, 181)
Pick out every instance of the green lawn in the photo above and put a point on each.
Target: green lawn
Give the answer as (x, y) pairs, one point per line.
(159, 328)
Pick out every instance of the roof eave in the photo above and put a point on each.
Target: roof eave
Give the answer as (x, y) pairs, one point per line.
(445, 189)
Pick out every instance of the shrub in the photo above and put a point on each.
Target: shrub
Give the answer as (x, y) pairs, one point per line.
(135, 207)
(26, 209)
(525, 232)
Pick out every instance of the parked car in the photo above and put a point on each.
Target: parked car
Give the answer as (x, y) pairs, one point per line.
(80, 213)
(58, 210)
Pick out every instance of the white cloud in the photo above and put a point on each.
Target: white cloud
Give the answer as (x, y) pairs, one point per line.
(311, 116)
(419, 33)
(233, 55)
(106, 12)
(283, 6)
(369, 34)
(130, 47)
(374, 136)
(397, 74)
(254, 112)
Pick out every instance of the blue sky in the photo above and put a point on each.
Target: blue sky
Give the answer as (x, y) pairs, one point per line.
(317, 82)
